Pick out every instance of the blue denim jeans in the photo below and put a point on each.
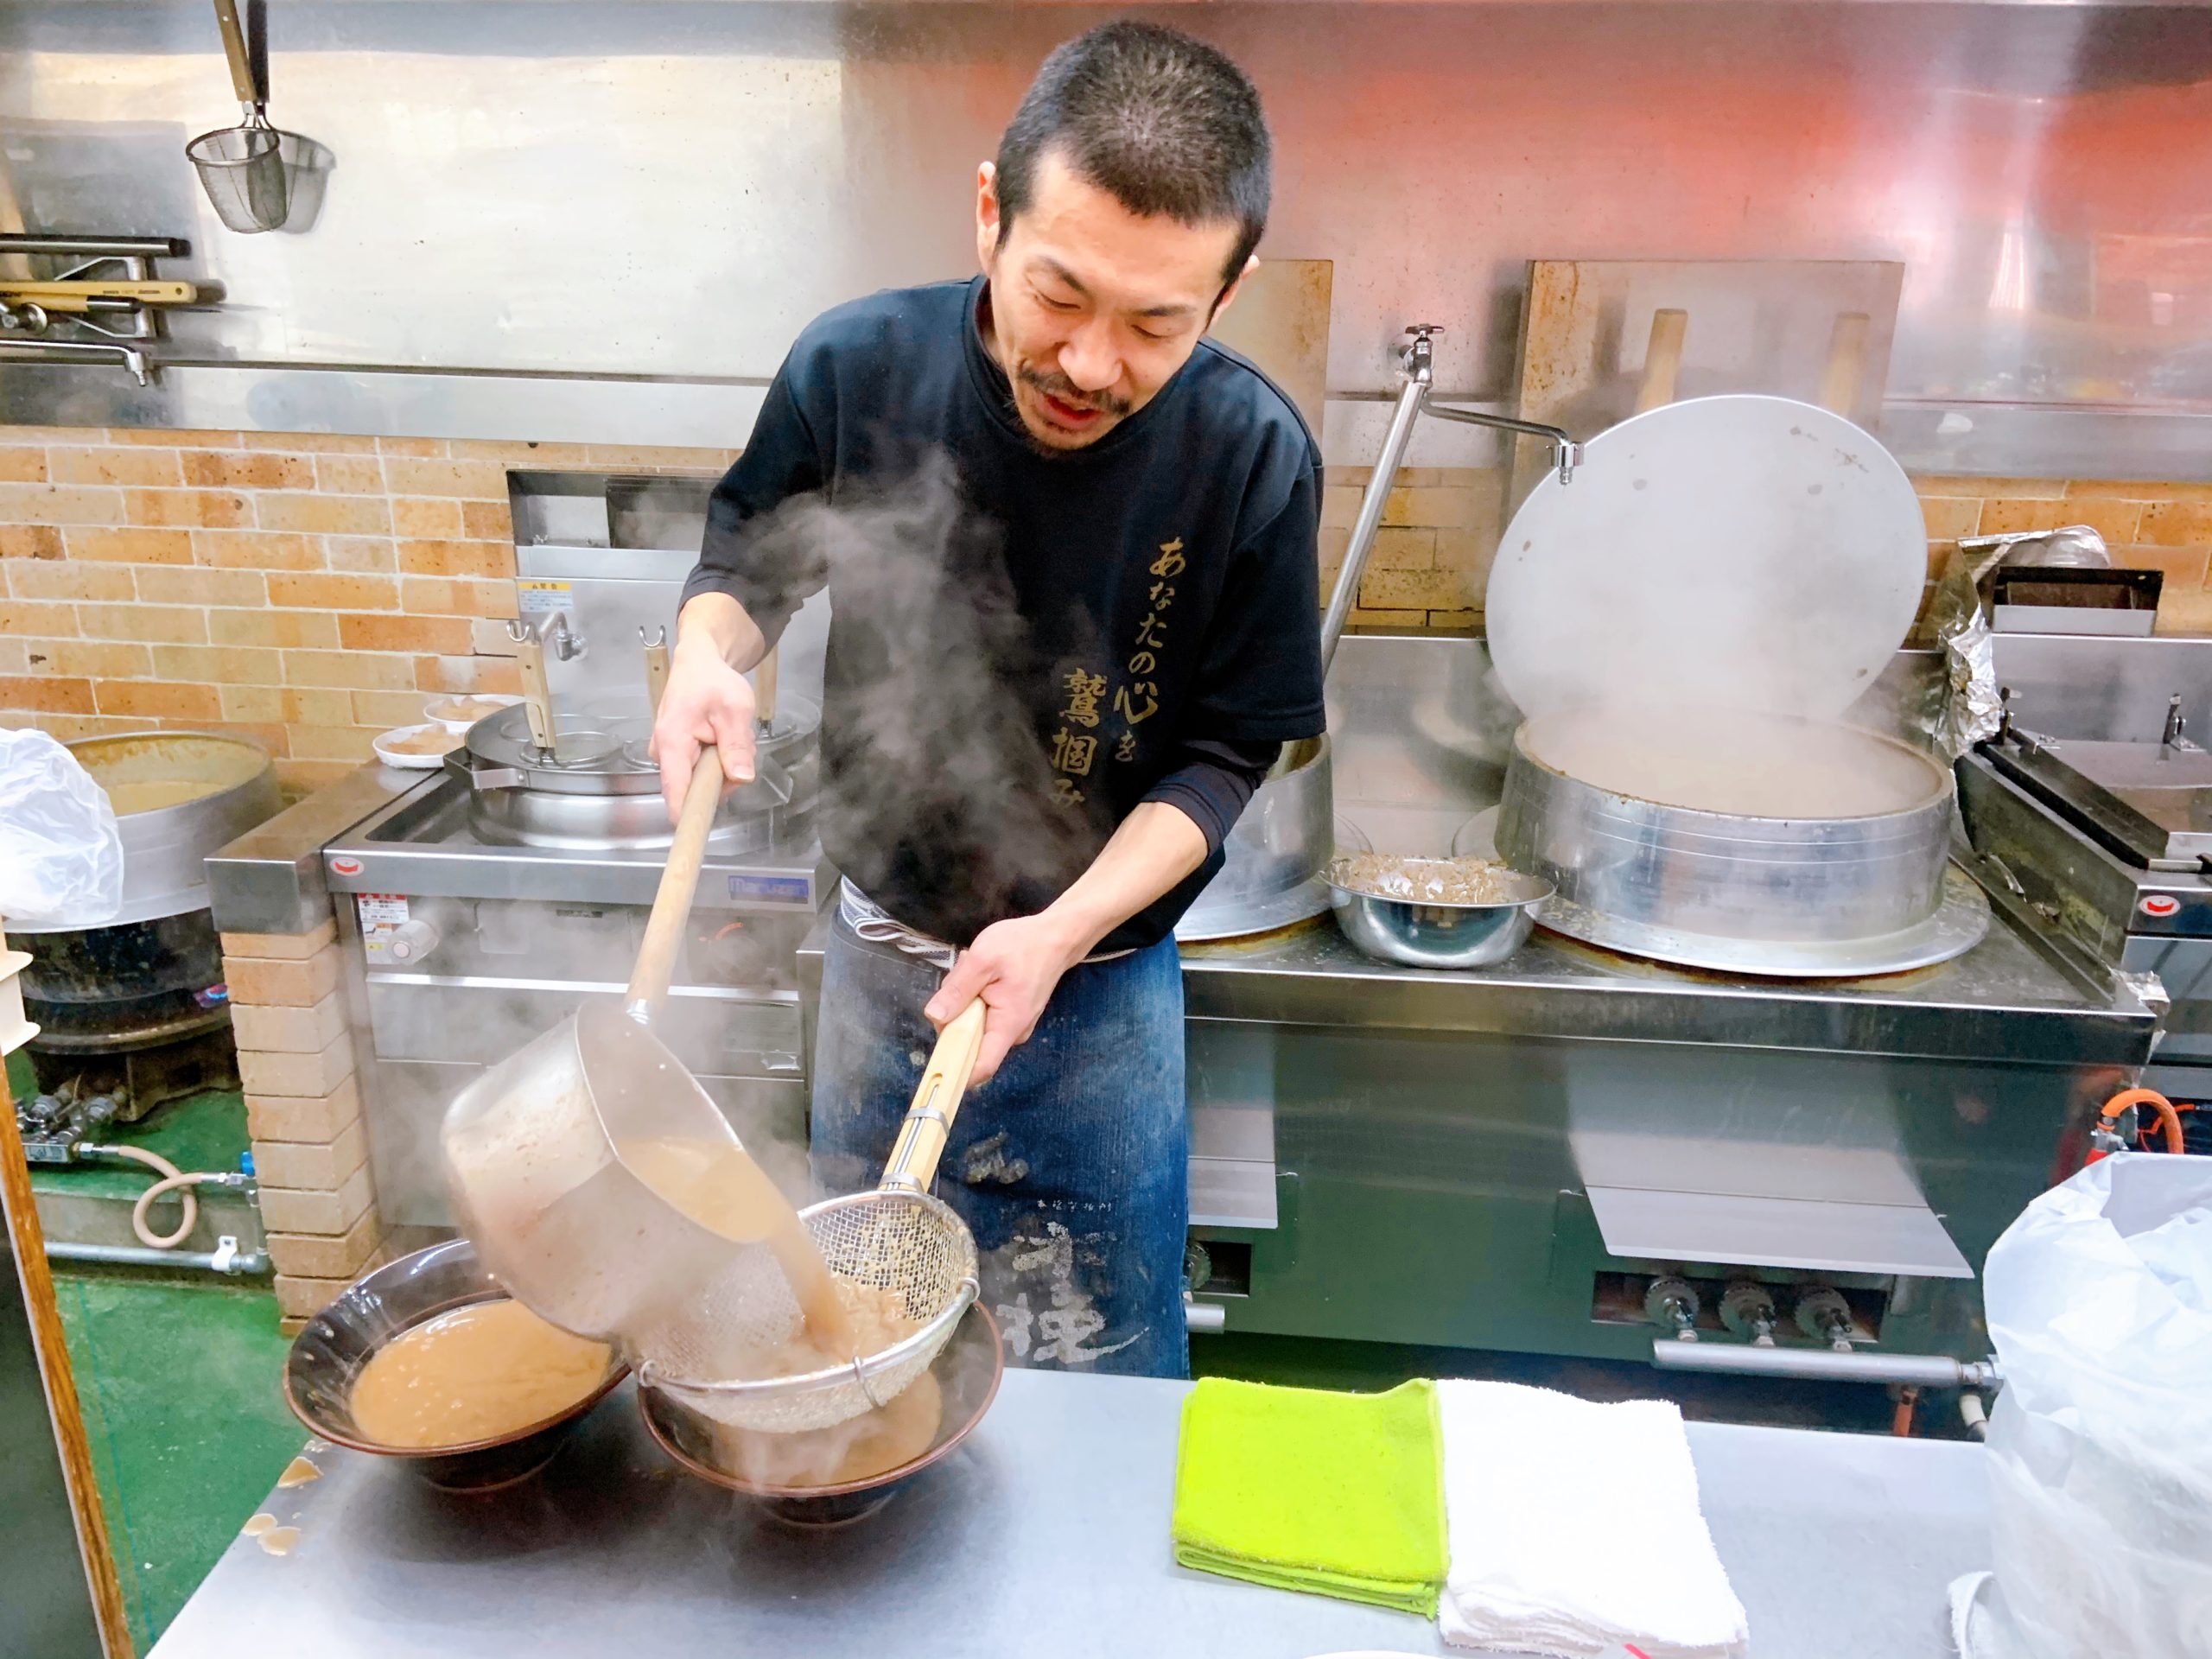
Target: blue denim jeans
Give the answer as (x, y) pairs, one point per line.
(1069, 1166)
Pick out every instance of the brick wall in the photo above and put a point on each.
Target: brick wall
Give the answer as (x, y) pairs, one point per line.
(2147, 526)
(313, 590)
(307, 590)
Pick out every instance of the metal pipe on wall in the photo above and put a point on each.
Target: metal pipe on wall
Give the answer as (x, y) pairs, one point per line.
(1345, 593)
(1822, 1365)
(234, 1263)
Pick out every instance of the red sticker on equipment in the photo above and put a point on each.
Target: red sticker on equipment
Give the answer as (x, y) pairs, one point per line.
(346, 865)
(2160, 904)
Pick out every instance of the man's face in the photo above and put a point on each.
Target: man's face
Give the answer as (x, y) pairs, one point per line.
(1093, 308)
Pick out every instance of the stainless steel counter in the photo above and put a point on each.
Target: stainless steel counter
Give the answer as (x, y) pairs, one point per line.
(2002, 999)
(1048, 1534)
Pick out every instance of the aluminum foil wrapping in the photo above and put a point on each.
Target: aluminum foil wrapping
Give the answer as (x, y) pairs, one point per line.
(1961, 708)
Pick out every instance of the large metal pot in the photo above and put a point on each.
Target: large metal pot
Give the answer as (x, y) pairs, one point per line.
(178, 797)
(1270, 875)
(152, 975)
(1758, 894)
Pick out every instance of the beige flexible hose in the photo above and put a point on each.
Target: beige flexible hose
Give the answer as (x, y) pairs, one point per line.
(172, 1179)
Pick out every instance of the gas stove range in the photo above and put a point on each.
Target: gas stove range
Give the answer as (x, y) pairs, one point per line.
(459, 950)
(425, 844)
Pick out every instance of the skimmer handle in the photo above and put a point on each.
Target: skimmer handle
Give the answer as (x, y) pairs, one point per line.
(672, 903)
(235, 53)
(936, 1102)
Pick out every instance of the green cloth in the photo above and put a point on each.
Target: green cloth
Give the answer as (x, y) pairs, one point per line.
(1335, 1494)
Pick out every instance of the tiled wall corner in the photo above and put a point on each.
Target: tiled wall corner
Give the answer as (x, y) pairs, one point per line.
(303, 1113)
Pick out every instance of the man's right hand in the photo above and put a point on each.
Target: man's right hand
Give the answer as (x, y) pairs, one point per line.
(706, 702)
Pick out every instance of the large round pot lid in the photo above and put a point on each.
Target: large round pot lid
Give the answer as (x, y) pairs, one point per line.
(1732, 552)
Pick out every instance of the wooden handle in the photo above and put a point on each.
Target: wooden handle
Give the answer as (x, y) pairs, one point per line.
(672, 903)
(537, 695)
(28, 1242)
(656, 672)
(1847, 363)
(936, 1102)
(226, 19)
(53, 295)
(764, 689)
(1663, 359)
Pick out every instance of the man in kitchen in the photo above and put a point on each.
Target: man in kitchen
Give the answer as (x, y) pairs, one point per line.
(1070, 544)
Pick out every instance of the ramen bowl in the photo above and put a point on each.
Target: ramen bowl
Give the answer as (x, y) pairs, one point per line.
(328, 1357)
(761, 1466)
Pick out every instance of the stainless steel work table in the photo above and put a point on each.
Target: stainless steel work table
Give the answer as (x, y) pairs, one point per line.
(1048, 1534)
(2002, 998)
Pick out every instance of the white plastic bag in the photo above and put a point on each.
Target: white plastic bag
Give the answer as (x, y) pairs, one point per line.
(2101, 1445)
(61, 854)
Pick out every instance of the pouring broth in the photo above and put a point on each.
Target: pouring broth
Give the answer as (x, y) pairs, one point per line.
(718, 1186)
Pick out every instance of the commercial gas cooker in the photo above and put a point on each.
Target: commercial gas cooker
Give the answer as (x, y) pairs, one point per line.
(460, 949)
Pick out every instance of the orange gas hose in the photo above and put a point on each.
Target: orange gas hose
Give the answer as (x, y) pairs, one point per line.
(2169, 1119)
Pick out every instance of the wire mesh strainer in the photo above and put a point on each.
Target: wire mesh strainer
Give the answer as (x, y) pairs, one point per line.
(246, 170)
(898, 1238)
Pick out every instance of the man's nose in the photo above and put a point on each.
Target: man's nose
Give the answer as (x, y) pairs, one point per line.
(1089, 358)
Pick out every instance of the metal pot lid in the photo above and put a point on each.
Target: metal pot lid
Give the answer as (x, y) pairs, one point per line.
(1732, 552)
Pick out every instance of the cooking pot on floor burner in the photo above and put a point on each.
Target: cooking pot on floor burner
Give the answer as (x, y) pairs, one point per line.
(1684, 631)
(1637, 835)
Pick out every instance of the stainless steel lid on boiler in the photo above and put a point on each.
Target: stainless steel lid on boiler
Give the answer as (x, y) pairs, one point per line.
(1683, 625)
(1740, 552)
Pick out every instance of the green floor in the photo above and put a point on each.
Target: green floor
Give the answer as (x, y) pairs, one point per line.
(179, 1385)
(178, 1378)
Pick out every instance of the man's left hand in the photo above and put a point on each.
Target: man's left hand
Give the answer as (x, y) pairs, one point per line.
(1013, 965)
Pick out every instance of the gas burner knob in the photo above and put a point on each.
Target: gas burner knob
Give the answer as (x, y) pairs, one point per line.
(412, 940)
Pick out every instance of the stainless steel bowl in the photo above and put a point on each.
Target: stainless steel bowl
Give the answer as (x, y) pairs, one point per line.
(328, 1356)
(1428, 933)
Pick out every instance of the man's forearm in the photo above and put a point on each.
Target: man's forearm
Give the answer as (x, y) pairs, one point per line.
(718, 623)
(1155, 848)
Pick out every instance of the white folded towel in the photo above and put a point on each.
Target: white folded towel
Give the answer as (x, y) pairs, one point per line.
(1575, 1529)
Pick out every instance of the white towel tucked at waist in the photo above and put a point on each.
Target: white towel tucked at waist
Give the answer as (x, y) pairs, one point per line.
(1575, 1529)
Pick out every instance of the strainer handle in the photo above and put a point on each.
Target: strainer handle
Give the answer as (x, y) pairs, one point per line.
(936, 1103)
(672, 903)
(241, 61)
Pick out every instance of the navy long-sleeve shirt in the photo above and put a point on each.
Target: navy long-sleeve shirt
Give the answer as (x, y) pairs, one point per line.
(1024, 645)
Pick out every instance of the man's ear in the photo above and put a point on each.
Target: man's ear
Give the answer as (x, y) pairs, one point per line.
(986, 214)
(1228, 295)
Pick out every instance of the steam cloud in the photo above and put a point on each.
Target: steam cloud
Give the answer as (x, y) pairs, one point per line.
(926, 645)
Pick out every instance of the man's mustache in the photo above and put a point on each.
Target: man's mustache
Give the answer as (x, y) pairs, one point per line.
(1056, 384)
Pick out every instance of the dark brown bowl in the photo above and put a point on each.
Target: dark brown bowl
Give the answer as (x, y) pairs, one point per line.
(967, 1368)
(328, 1356)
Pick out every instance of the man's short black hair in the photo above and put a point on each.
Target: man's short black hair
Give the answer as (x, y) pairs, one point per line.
(1163, 123)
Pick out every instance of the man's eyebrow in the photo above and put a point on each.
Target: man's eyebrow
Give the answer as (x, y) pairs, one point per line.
(1061, 271)
(1173, 309)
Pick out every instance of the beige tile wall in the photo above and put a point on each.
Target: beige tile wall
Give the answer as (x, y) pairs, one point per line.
(308, 590)
(313, 590)
(2147, 526)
